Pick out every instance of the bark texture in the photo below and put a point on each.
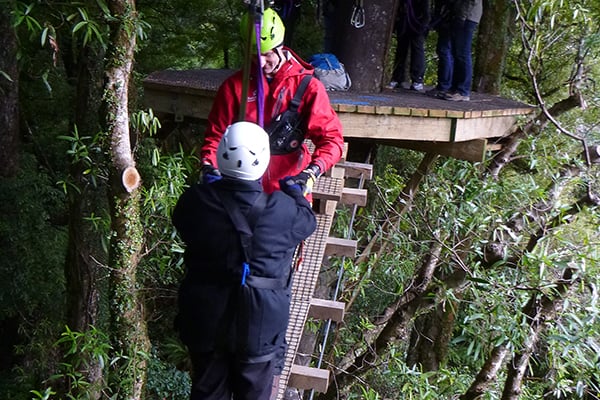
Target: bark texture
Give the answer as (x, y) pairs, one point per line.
(363, 50)
(491, 47)
(129, 330)
(9, 96)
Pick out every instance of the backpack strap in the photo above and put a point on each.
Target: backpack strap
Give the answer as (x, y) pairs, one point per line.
(295, 102)
(244, 224)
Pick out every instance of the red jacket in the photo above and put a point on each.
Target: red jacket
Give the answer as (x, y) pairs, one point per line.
(323, 126)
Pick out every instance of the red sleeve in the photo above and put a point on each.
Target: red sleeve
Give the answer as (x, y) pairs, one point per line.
(324, 128)
(222, 114)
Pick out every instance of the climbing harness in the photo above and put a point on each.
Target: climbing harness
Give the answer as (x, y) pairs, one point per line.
(357, 19)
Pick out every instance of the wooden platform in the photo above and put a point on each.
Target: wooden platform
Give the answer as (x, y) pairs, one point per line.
(401, 117)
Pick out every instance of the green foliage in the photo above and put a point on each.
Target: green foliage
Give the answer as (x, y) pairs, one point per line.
(31, 208)
(166, 382)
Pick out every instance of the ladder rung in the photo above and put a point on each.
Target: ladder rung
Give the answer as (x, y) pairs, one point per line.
(326, 309)
(340, 247)
(306, 378)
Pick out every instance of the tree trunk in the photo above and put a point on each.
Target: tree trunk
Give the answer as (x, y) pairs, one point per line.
(539, 311)
(129, 334)
(493, 40)
(9, 96)
(84, 273)
(487, 375)
(363, 50)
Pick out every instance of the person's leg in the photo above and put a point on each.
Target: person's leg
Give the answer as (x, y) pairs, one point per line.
(462, 40)
(210, 377)
(400, 54)
(417, 58)
(445, 59)
(253, 381)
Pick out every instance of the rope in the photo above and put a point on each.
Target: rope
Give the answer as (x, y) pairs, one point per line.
(259, 81)
(255, 11)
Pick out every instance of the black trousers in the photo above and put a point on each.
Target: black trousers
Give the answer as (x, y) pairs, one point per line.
(224, 377)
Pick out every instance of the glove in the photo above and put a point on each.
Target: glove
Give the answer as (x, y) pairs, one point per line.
(209, 174)
(304, 181)
(289, 186)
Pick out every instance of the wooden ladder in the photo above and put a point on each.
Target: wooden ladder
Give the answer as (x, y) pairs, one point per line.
(328, 192)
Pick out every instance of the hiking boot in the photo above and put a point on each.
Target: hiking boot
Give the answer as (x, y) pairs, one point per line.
(392, 85)
(437, 93)
(417, 86)
(456, 97)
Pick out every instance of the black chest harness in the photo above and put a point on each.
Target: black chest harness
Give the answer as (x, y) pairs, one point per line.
(285, 130)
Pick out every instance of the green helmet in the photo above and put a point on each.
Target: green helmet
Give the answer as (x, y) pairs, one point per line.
(272, 31)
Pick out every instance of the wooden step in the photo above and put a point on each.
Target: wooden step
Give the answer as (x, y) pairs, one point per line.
(354, 196)
(307, 378)
(328, 188)
(324, 310)
(356, 170)
(340, 247)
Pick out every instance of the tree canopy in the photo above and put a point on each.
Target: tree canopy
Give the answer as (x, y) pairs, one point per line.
(473, 280)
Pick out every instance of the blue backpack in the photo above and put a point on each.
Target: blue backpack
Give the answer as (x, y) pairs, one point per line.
(330, 71)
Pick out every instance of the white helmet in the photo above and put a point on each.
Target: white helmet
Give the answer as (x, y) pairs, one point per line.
(243, 151)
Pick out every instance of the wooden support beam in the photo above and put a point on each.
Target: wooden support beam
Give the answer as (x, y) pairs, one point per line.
(340, 247)
(354, 196)
(471, 150)
(307, 378)
(357, 170)
(326, 309)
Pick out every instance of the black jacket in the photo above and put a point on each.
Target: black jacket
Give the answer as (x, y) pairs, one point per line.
(217, 312)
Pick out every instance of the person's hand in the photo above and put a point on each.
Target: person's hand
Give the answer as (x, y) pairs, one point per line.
(209, 174)
(304, 181)
(288, 185)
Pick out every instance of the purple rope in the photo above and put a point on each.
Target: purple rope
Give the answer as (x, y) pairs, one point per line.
(259, 84)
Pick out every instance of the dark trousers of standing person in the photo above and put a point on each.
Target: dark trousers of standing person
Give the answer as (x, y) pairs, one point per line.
(455, 66)
(408, 40)
(222, 377)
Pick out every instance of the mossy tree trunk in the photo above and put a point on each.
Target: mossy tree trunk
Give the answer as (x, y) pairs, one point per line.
(9, 96)
(85, 275)
(493, 39)
(129, 335)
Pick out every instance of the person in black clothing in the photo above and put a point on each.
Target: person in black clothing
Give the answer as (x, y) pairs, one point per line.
(235, 296)
(412, 26)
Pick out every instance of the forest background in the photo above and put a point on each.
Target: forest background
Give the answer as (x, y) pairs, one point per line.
(473, 280)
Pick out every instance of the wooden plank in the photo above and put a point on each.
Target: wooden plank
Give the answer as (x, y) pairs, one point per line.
(357, 170)
(472, 150)
(340, 247)
(480, 128)
(354, 196)
(307, 378)
(326, 309)
(396, 127)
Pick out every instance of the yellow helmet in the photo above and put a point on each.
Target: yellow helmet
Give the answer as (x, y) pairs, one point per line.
(272, 31)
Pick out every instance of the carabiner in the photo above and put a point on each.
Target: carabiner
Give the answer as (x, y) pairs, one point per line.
(357, 19)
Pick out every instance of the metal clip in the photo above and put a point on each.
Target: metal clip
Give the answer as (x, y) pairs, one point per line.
(357, 19)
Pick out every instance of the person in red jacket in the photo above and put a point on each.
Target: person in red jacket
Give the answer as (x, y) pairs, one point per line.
(278, 79)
